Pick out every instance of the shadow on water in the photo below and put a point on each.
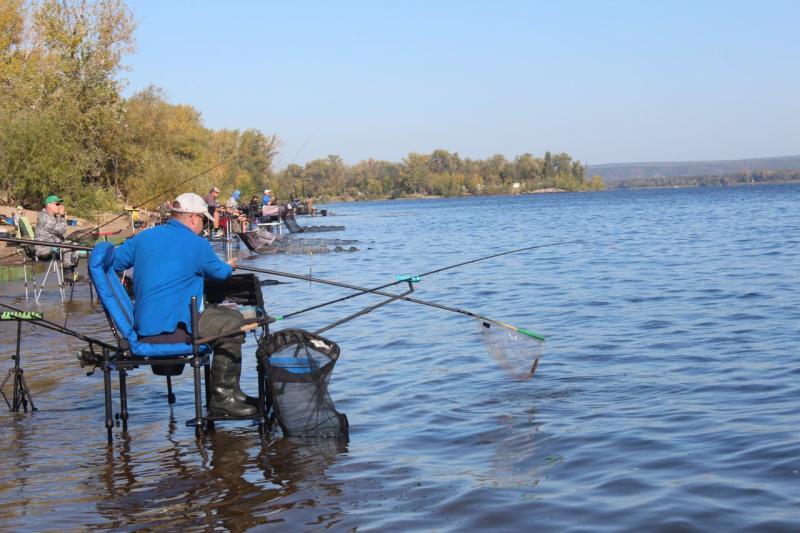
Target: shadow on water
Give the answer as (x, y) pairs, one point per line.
(231, 480)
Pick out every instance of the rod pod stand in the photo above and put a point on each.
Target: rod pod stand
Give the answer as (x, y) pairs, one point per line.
(22, 394)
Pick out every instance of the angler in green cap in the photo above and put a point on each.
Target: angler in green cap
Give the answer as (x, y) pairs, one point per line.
(52, 227)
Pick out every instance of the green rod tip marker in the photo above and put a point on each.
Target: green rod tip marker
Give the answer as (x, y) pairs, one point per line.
(530, 333)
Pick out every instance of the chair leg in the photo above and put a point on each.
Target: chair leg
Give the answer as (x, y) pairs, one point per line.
(196, 362)
(37, 293)
(198, 402)
(33, 277)
(107, 385)
(262, 397)
(123, 399)
(170, 395)
(207, 380)
(44, 282)
(58, 267)
(171, 401)
(25, 275)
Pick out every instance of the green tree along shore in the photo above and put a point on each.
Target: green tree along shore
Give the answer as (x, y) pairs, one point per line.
(66, 128)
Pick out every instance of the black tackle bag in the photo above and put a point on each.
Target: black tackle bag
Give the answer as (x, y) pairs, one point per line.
(298, 366)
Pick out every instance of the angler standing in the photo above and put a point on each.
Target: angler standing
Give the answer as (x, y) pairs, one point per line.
(51, 226)
(211, 200)
(170, 262)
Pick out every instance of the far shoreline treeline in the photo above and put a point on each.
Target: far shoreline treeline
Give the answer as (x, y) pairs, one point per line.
(66, 128)
(755, 177)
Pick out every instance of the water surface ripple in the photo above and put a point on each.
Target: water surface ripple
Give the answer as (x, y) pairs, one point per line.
(667, 398)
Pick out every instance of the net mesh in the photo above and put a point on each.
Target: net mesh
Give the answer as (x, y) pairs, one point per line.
(265, 242)
(517, 353)
(298, 368)
(293, 227)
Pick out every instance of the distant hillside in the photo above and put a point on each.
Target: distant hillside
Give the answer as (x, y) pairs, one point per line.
(625, 171)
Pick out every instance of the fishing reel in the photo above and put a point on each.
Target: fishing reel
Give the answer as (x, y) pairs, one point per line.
(88, 357)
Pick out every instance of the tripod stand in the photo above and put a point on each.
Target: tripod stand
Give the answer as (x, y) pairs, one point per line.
(22, 394)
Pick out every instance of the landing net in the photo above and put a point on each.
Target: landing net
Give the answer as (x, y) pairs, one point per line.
(298, 368)
(516, 350)
(293, 227)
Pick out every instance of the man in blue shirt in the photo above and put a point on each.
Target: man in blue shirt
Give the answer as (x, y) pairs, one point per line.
(170, 262)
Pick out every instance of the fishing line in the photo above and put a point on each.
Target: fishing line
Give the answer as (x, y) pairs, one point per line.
(363, 290)
(297, 154)
(69, 302)
(512, 347)
(517, 350)
(418, 277)
(187, 180)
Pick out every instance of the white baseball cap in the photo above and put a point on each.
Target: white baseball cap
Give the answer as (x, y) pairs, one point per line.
(190, 202)
(267, 191)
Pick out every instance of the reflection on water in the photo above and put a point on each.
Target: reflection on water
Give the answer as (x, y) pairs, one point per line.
(665, 400)
(231, 479)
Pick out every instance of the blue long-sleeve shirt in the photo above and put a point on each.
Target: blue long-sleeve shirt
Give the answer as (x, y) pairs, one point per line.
(169, 263)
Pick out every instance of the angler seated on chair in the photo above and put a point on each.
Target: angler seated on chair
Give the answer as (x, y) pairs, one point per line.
(51, 226)
(169, 264)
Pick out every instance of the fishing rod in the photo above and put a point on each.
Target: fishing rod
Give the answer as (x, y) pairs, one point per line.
(47, 324)
(510, 346)
(187, 180)
(418, 277)
(68, 246)
(360, 290)
(364, 290)
(33, 242)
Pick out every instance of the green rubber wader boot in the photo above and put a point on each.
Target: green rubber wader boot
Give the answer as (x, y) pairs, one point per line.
(224, 380)
(238, 393)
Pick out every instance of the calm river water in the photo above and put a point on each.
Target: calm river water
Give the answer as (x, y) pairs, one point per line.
(667, 398)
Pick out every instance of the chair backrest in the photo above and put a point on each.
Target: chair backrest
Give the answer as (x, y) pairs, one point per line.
(118, 307)
(25, 231)
(25, 228)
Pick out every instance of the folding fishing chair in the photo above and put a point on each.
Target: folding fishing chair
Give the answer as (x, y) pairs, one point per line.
(56, 265)
(164, 359)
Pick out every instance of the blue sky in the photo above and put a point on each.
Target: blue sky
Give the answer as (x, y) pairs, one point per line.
(605, 81)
